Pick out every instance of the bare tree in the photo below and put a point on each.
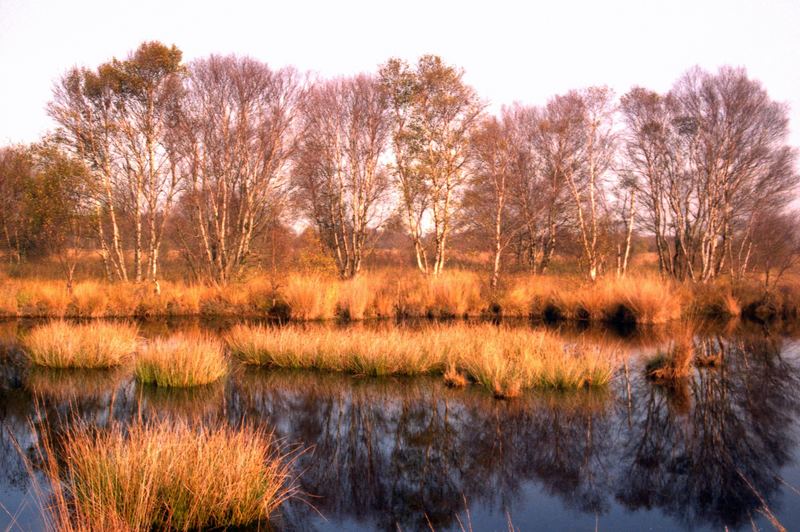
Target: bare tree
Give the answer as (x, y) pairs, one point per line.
(339, 171)
(237, 136)
(434, 114)
(777, 247)
(707, 158)
(485, 208)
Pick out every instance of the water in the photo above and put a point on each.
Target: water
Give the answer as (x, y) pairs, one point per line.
(720, 450)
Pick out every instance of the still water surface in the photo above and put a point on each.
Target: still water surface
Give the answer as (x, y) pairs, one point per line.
(718, 450)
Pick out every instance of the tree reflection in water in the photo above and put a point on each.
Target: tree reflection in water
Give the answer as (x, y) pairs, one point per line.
(714, 462)
(707, 451)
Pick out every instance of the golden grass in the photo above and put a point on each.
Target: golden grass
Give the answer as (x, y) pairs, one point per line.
(643, 300)
(181, 360)
(450, 294)
(676, 362)
(506, 361)
(165, 476)
(716, 300)
(311, 297)
(453, 377)
(59, 344)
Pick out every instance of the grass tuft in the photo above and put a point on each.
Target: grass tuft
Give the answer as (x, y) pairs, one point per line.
(59, 344)
(181, 360)
(506, 361)
(166, 476)
(674, 364)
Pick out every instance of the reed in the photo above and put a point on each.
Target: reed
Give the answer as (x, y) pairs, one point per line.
(59, 344)
(181, 360)
(165, 476)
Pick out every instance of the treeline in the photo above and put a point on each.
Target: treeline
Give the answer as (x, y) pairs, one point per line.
(204, 157)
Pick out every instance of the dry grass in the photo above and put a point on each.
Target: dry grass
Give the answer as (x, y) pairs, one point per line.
(676, 362)
(643, 300)
(506, 361)
(364, 352)
(181, 360)
(398, 293)
(311, 297)
(453, 377)
(715, 300)
(165, 476)
(450, 294)
(511, 362)
(59, 344)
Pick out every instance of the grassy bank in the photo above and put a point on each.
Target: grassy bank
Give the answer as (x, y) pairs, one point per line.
(163, 476)
(506, 361)
(403, 293)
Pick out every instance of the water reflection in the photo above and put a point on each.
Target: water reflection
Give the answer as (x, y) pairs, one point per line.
(706, 452)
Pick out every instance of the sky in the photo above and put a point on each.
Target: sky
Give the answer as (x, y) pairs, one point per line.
(511, 51)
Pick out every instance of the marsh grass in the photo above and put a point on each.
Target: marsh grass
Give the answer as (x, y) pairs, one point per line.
(676, 362)
(641, 300)
(506, 361)
(59, 344)
(165, 476)
(181, 360)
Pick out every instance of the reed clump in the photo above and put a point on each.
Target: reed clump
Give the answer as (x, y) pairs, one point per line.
(166, 476)
(181, 360)
(675, 363)
(506, 361)
(59, 344)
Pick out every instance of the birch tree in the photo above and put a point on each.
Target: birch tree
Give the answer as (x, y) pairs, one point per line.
(434, 113)
(576, 142)
(237, 137)
(339, 171)
(16, 169)
(119, 119)
(707, 158)
(486, 211)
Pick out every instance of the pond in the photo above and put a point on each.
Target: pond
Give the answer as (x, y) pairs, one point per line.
(717, 450)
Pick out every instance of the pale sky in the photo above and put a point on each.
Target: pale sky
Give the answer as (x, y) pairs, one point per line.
(511, 51)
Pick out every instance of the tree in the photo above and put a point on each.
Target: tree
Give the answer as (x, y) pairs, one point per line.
(486, 203)
(237, 137)
(706, 158)
(339, 170)
(16, 171)
(57, 206)
(118, 120)
(434, 113)
(543, 150)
